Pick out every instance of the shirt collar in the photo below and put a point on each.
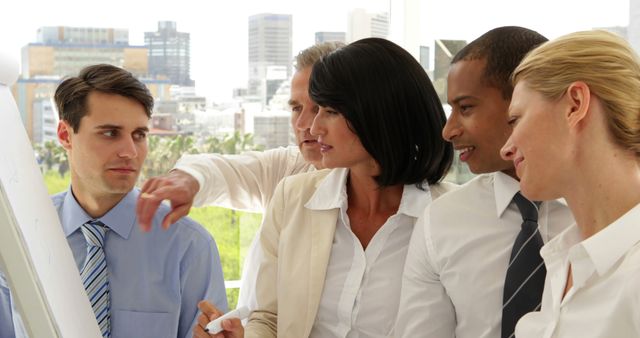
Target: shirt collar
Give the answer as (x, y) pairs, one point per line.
(624, 233)
(412, 203)
(504, 187)
(610, 244)
(560, 245)
(325, 197)
(121, 218)
(414, 200)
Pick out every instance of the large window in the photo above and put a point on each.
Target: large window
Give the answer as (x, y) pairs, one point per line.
(223, 41)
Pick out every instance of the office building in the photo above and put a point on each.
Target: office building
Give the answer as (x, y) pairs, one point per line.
(272, 129)
(32, 95)
(270, 55)
(45, 121)
(424, 58)
(445, 50)
(406, 20)
(63, 51)
(82, 35)
(331, 37)
(362, 24)
(169, 54)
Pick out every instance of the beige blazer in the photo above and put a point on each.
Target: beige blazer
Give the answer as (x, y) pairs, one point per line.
(296, 245)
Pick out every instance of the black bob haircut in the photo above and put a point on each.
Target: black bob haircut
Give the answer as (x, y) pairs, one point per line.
(390, 103)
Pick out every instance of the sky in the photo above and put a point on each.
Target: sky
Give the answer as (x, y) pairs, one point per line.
(219, 28)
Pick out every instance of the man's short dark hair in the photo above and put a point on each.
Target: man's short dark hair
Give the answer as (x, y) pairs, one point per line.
(71, 94)
(390, 103)
(502, 48)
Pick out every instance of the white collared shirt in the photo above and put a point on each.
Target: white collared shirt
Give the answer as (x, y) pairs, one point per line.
(458, 258)
(362, 287)
(604, 300)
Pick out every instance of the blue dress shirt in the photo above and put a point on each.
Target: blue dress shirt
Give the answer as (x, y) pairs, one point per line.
(156, 278)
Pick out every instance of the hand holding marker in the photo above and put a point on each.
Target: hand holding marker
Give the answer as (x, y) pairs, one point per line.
(215, 325)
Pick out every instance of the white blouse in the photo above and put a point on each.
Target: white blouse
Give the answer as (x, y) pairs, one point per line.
(362, 286)
(604, 300)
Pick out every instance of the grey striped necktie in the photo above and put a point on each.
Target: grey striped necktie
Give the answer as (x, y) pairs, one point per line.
(524, 281)
(95, 275)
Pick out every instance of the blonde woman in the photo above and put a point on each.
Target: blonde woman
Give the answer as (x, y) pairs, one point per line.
(576, 117)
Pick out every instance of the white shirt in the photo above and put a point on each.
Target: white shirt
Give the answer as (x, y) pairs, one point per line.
(604, 300)
(243, 182)
(362, 287)
(458, 258)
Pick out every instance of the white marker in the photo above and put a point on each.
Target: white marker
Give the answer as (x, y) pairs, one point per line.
(215, 325)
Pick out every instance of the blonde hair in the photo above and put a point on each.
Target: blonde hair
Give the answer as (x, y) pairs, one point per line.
(602, 60)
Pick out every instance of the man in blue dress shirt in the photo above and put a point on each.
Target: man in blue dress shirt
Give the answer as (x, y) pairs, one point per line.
(155, 279)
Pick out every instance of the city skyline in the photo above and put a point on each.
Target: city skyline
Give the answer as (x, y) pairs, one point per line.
(219, 37)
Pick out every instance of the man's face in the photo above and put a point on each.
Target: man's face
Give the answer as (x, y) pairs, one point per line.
(303, 111)
(478, 125)
(110, 145)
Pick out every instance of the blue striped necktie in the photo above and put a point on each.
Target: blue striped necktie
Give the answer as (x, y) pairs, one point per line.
(95, 275)
(524, 281)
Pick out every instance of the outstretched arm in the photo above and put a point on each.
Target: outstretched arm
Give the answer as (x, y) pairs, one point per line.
(244, 182)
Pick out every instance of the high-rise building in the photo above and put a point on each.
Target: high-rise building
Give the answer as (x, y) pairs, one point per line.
(445, 50)
(83, 35)
(169, 53)
(270, 54)
(405, 24)
(26, 92)
(219, 124)
(424, 58)
(362, 24)
(63, 51)
(633, 31)
(45, 121)
(272, 129)
(66, 59)
(330, 37)
(29, 93)
(280, 99)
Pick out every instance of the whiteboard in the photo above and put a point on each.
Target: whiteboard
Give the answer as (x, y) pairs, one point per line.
(34, 253)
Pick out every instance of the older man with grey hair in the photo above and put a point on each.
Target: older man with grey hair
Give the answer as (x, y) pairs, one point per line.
(246, 181)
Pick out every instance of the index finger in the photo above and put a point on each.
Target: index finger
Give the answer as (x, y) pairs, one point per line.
(209, 310)
(146, 207)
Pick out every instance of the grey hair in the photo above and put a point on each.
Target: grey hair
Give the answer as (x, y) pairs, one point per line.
(309, 56)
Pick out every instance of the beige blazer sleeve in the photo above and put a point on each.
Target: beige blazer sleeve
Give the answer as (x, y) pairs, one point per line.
(295, 245)
(242, 182)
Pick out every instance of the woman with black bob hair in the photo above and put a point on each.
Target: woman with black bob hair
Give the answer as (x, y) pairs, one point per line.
(334, 241)
(391, 105)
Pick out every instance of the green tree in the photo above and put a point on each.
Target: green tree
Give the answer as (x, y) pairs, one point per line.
(235, 143)
(164, 152)
(51, 155)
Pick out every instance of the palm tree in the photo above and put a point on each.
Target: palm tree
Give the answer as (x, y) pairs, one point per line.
(50, 155)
